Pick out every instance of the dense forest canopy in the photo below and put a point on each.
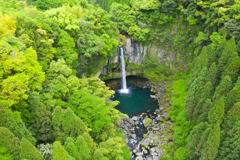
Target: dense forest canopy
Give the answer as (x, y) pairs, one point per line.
(52, 106)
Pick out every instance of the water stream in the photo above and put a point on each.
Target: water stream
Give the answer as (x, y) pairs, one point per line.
(124, 82)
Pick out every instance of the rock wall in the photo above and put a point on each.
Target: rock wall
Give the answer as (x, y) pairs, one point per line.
(135, 52)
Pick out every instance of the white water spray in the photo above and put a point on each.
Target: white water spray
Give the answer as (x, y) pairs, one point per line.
(124, 82)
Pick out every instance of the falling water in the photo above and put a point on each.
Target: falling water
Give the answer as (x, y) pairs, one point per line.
(124, 83)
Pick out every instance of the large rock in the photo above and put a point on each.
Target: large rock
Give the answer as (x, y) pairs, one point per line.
(139, 158)
(139, 154)
(155, 158)
(147, 121)
(160, 153)
(135, 118)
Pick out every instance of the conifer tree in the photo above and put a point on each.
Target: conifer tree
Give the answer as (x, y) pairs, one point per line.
(203, 115)
(98, 155)
(228, 51)
(223, 88)
(212, 75)
(220, 49)
(92, 145)
(72, 150)
(9, 140)
(194, 138)
(58, 152)
(41, 125)
(210, 148)
(57, 118)
(211, 55)
(229, 149)
(202, 141)
(232, 117)
(216, 114)
(83, 148)
(19, 130)
(233, 96)
(28, 151)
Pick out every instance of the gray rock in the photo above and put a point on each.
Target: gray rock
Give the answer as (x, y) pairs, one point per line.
(149, 158)
(126, 140)
(155, 158)
(154, 154)
(160, 153)
(135, 118)
(169, 138)
(145, 151)
(133, 136)
(152, 149)
(139, 154)
(130, 121)
(139, 158)
(161, 108)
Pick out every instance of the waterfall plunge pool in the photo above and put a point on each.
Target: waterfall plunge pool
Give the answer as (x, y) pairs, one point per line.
(136, 101)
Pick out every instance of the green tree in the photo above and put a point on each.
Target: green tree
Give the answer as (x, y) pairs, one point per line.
(216, 114)
(58, 152)
(229, 148)
(231, 117)
(11, 142)
(223, 88)
(210, 148)
(83, 148)
(28, 151)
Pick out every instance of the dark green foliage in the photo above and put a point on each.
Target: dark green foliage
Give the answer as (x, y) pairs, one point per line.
(212, 75)
(229, 149)
(19, 130)
(4, 155)
(28, 151)
(233, 96)
(231, 117)
(11, 142)
(194, 139)
(210, 148)
(203, 116)
(66, 123)
(58, 152)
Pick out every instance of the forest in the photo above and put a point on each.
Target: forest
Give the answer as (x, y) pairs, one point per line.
(53, 107)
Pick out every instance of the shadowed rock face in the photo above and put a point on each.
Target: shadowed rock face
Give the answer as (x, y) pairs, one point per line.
(135, 52)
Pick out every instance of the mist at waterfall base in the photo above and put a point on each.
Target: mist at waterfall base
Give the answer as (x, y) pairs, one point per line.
(136, 101)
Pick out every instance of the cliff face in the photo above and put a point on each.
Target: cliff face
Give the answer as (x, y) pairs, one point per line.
(135, 52)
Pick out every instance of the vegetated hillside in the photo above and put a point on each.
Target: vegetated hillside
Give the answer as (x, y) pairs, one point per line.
(46, 53)
(207, 124)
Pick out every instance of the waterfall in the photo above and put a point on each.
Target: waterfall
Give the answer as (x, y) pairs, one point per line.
(124, 82)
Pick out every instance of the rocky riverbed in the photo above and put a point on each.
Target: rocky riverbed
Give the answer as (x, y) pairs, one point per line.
(146, 133)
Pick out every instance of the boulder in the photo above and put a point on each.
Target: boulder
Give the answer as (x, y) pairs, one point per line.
(160, 153)
(155, 158)
(139, 158)
(152, 149)
(154, 154)
(161, 108)
(139, 154)
(135, 118)
(147, 121)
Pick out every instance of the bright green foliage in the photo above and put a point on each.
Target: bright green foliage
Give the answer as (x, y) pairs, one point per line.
(98, 155)
(194, 139)
(146, 4)
(12, 143)
(19, 130)
(211, 55)
(231, 117)
(21, 73)
(72, 150)
(28, 151)
(229, 149)
(210, 148)
(58, 152)
(66, 123)
(138, 33)
(66, 48)
(83, 148)
(92, 110)
(216, 114)
(112, 148)
(34, 30)
(92, 145)
(180, 153)
(223, 88)
(201, 61)
(8, 25)
(233, 96)
(61, 82)
(4, 155)
(121, 15)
